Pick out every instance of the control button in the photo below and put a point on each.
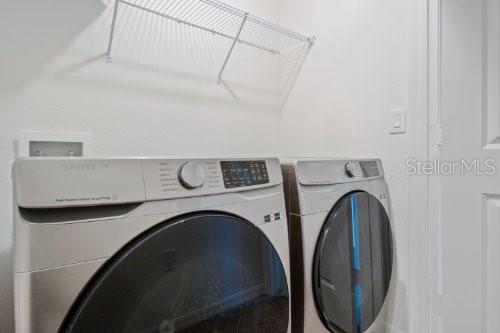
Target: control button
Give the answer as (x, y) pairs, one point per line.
(349, 169)
(191, 175)
(267, 218)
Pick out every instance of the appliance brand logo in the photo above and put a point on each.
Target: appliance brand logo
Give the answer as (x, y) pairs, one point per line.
(82, 166)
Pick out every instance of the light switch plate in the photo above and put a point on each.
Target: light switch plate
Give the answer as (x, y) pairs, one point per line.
(49, 144)
(397, 121)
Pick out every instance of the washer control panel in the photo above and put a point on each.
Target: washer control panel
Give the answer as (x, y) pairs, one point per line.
(64, 182)
(171, 178)
(244, 173)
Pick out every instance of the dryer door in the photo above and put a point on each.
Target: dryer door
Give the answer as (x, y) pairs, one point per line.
(206, 272)
(353, 263)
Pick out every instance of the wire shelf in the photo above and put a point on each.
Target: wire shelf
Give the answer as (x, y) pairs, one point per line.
(249, 38)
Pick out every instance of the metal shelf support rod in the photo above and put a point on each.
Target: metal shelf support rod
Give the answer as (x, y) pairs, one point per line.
(219, 77)
(110, 42)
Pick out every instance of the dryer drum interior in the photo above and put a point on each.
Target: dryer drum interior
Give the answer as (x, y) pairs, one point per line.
(208, 272)
(353, 263)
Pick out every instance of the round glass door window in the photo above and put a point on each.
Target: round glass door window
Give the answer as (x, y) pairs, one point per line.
(203, 273)
(353, 264)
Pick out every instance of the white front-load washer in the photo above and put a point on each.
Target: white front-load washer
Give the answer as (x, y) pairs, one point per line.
(150, 245)
(341, 244)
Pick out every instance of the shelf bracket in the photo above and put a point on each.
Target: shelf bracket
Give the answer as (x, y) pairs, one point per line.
(235, 40)
(110, 42)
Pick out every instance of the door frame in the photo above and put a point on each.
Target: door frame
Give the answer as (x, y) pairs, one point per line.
(422, 207)
(434, 237)
(435, 217)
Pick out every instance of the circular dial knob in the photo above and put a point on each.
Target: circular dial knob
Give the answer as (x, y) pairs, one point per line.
(191, 175)
(349, 169)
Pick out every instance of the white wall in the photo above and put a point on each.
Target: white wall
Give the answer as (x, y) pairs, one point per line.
(54, 78)
(358, 69)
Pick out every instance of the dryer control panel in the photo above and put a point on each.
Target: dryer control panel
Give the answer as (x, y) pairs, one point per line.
(325, 172)
(369, 169)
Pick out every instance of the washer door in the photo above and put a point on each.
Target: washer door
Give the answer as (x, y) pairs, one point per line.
(353, 263)
(206, 272)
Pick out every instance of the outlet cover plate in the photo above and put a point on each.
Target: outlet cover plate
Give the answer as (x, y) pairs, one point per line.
(397, 121)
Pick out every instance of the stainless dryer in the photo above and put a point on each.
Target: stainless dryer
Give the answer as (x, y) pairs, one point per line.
(341, 244)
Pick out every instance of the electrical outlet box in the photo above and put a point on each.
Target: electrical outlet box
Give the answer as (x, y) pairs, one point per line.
(42, 144)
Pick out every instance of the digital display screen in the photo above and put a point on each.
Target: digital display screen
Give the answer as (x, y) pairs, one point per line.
(369, 169)
(244, 173)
